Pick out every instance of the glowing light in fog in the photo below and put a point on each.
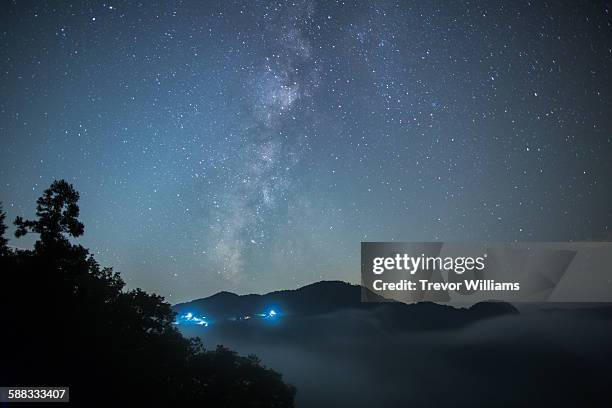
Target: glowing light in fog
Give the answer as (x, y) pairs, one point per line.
(189, 318)
(272, 314)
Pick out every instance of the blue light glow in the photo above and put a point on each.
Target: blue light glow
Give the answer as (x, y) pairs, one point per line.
(272, 314)
(191, 319)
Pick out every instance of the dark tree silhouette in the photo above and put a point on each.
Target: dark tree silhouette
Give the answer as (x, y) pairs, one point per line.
(72, 323)
(57, 213)
(3, 240)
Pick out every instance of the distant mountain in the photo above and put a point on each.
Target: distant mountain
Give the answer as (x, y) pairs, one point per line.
(335, 296)
(317, 298)
(334, 348)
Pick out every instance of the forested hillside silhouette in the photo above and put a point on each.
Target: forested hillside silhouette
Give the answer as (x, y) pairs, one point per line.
(67, 321)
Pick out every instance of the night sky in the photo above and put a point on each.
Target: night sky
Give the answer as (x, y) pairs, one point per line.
(250, 146)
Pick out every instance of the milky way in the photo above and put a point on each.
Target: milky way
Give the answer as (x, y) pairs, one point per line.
(266, 157)
(251, 146)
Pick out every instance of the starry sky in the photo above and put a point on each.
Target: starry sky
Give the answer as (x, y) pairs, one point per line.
(252, 145)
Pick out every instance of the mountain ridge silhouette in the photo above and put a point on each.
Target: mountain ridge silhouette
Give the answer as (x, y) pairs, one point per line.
(326, 297)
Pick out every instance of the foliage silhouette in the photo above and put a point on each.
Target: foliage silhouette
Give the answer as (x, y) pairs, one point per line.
(57, 213)
(3, 240)
(77, 326)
